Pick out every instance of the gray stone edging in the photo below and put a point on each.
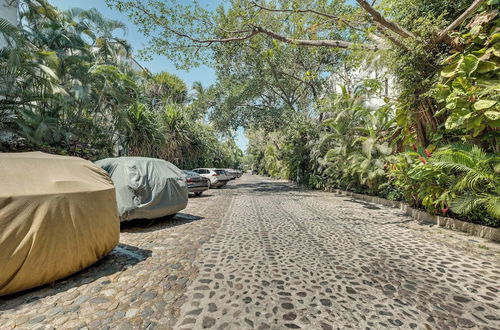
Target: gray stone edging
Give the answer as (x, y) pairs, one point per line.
(489, 233)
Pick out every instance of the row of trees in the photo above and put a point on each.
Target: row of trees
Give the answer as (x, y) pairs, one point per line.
(291, 73)
(70, 85)
(349, 143)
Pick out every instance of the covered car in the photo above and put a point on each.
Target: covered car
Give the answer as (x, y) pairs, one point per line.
(58, 215)
(146, 188)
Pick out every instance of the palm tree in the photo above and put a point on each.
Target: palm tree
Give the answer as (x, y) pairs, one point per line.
(25, 81)
(356, 140)
(105, 46)
(164, 88)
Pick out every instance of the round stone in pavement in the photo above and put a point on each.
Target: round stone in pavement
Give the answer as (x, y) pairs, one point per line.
(133, 286)
(289, 258)
(266, 254)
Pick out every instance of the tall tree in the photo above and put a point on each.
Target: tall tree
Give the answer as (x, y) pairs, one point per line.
(193, 35)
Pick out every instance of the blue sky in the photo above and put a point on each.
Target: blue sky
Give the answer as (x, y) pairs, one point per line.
(159, 63)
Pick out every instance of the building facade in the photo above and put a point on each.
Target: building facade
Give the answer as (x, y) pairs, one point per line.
(9, 12)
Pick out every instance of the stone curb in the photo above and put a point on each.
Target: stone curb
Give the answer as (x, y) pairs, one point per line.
(492, 234)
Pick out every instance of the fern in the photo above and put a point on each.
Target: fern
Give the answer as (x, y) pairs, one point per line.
(476, 181)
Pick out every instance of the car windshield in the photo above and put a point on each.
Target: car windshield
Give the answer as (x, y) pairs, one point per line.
(220, 172)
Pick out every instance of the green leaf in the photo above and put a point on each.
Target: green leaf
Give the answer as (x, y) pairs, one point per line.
(478, 130)
(496, 49)
(495, 37)
(476, 29)
(421, 152)
(474, 123)
(460, 85)
(454, 121)
(48, 71)
(492, 114)
(451, 105)
(451, 70)
(484, 104)
(488, 83)
(486, 66)
(441, 92)
(449, 58)
(494, 123)
(469, 64)
(384, 148)
(440, 112)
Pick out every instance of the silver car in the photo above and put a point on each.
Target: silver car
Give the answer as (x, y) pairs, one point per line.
(217, 177)
(196, 183)
(232, 174)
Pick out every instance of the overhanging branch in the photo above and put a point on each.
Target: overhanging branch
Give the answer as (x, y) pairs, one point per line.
(249, 33)
(316, 43)
(443, 34)
(377, 17)
(349, 23)
(390, 36)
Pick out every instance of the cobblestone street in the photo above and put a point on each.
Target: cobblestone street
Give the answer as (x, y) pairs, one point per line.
(264, 254)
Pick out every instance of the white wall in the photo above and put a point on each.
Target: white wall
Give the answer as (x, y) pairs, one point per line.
(8, 11)
(351, 78)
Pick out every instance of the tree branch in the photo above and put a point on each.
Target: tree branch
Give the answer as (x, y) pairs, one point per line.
(316, 43)
(377, 17)
(443, 34)
(256, 30)
(312, 11)
(152, 16)
(390, 36)
(302, 81)
(286, 98)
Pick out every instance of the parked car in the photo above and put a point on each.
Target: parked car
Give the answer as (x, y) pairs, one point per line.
(196, 183)
(254, 172)
(57, 216)
(217, 177)
(146, 188)
(232, 174)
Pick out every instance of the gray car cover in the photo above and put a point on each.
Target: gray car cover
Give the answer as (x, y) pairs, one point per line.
(146, 188)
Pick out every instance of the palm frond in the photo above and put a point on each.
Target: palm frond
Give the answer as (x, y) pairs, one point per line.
(11, 33)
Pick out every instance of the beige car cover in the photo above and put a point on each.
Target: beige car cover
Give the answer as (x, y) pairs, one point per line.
(58, 215)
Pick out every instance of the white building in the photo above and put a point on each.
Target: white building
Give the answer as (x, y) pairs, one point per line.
(354, 78)
(9, 12)
(371, 69)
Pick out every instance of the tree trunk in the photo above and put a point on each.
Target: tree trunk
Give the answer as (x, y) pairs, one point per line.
(426, 122)
(421, 133)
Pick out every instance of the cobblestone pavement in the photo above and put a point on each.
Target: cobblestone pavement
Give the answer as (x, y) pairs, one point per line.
(263, 254)
(140, 284)
(290, 258)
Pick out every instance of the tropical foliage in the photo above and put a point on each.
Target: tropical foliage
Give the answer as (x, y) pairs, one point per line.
(470, 85)
(433, 144)
(68, 84)
(397, 98)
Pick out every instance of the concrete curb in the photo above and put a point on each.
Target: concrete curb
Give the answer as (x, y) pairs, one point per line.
(492, 234)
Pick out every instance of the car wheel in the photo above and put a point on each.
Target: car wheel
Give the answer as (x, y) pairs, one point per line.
(198, 193)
